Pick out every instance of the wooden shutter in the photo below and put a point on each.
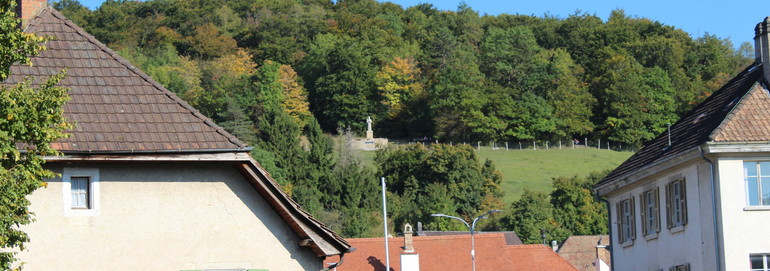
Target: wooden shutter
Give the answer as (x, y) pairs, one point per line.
(619, 210)
(657, 209)
(632, 221)
(643, 212)
(669, 212)
(683, 203)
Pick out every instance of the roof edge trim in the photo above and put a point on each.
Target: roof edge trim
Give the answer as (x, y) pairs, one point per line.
(612, 184)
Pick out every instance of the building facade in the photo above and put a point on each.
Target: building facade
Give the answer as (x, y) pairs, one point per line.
(698, 197)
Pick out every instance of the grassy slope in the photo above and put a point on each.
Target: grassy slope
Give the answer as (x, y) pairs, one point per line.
(533, 169)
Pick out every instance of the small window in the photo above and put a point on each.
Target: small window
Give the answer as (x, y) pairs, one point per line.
(626, 221)
(757, 176)
(681, 267)
(760, 262)
(80, 191)
(650, 212)
(676, 203)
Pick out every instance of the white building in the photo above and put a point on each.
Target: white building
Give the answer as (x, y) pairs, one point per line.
(149, 183)
(702, 201)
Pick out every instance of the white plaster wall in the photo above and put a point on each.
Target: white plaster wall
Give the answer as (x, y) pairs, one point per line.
(669, 248)
(743, 232)
(163, 217)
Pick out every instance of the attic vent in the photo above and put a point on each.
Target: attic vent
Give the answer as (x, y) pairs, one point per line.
(699, 118)
(730, 105)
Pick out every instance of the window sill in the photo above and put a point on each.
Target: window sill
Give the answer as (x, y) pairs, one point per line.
(677, 229)
(651, 236)
(627, 243)
(756, 208)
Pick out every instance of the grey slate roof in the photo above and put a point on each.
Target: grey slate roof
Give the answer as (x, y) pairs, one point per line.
(115, 107)
(728, 115)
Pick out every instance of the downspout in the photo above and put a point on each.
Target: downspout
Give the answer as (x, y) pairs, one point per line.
(609, 228)
(713, 208)
(332, 266)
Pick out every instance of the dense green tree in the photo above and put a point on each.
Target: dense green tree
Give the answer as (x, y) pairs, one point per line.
(30, 116)
(440, 179)
(529, 216)
(576, 208)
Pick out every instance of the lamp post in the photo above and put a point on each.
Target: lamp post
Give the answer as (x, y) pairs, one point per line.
(472, 228)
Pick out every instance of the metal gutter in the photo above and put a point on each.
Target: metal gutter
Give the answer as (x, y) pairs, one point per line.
(246, 149)
(713, 209)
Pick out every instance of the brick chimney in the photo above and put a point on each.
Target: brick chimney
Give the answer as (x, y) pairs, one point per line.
(408, 244)
(762, 46)
(28, 9)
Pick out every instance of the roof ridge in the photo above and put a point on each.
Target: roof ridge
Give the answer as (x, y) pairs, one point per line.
(82, 32)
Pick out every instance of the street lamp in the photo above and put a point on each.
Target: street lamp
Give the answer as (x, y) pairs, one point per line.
(472, 228)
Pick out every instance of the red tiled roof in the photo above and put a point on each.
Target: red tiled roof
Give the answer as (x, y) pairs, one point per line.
(452, 252)
(115, 107)
(712, 120)
(580, 251)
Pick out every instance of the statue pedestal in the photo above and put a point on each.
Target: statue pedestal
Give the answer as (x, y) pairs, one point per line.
(369, 134)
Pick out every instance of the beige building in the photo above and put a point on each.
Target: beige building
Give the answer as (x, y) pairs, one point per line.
(698, 198)
(149, 183)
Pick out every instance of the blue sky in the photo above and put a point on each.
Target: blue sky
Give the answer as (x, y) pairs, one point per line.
(734, 19)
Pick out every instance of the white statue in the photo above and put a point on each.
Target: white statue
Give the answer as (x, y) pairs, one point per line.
(368, 123)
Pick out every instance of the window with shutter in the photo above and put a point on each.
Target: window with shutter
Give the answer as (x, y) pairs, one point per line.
(676, 203)
(649, 212)
(626, 221)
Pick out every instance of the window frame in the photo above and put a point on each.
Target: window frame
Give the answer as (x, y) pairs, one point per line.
(765, 262)
(676, 204)
(747, 183)
(626, 221)
(650, 212)
(76, 193)
(92, 191)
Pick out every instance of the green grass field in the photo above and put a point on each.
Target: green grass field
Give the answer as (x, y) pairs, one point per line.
(534, 169)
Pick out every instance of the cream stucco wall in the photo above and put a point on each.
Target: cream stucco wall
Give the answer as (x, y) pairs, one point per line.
(691, 244)
(163, 217)
(744, 232)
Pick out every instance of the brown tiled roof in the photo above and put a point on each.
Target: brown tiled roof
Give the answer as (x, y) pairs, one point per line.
(452, 252)
(115, 107)
(727, 115)
(580, 250)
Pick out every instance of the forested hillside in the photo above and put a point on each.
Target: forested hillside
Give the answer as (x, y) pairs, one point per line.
(280, 74)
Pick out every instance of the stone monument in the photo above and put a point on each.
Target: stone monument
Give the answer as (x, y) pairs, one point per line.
(369, 132)
(369, 143)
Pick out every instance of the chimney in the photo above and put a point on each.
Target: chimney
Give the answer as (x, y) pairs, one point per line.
(408, 245)
(762, 46)
(410, 261)
(601, 249)
(554, 246)
(28, 9)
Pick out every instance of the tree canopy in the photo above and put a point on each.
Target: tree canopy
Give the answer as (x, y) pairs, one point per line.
(418, 71)
(30, 119)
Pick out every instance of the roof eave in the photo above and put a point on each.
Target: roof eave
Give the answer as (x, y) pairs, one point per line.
(619, 182)
(140, 152)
